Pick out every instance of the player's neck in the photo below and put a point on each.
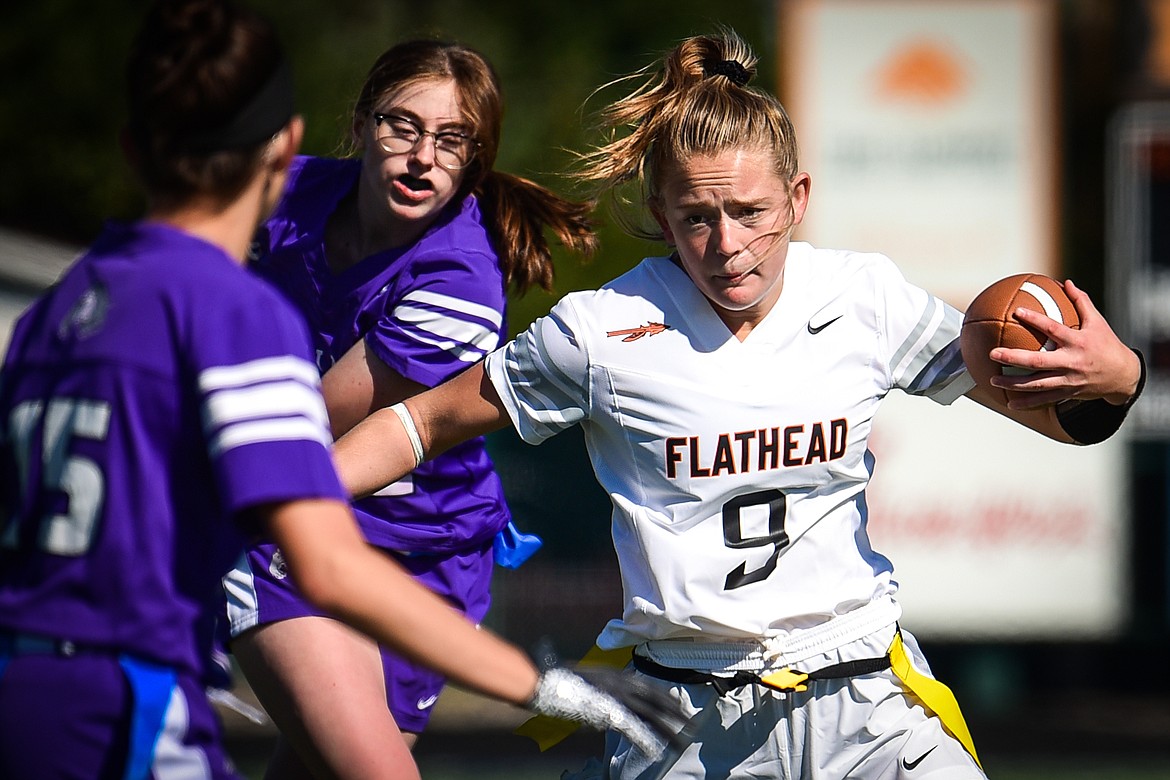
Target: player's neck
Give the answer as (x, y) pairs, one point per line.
(742, 322)
(229, 225)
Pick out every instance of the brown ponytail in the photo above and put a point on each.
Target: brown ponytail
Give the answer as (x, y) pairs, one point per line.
(518, 211)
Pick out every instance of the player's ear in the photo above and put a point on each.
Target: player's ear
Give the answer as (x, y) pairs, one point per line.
(287, 143)
(798, 195)
(278, 157)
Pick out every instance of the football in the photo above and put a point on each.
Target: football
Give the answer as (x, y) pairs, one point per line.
(990, 322)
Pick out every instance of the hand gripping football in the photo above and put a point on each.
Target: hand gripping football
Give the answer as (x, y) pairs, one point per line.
(990, 322)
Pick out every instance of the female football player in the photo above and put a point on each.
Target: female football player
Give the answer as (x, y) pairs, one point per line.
(398, 258)
(726, 391)
(159, 405)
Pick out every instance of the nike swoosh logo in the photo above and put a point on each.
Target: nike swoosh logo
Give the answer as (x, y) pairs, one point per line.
(815, 330)
(427, 702)
(909, 765)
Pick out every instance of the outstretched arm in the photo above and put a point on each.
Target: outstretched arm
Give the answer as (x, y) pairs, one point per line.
(378, 451)
(337, 571)
(1079, 391)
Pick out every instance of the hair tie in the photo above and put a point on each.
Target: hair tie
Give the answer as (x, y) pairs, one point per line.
(731, 69)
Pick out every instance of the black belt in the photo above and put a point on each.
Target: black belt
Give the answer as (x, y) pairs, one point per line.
(14, 644)
(795, 682)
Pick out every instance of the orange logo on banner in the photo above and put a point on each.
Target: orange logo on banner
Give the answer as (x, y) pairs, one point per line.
(922, 72)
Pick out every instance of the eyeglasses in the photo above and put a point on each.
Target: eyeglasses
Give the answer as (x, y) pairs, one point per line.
(399, 135)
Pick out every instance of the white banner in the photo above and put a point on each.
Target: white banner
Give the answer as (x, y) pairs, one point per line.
(929, 128)
(930, 131)
(995, 531)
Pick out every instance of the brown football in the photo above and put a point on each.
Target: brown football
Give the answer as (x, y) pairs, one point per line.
(990, 322)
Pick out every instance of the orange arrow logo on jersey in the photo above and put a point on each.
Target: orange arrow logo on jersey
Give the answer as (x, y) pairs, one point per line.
(633, 334)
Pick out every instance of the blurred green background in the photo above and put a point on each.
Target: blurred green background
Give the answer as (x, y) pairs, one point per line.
(61, 104)
(61, 96)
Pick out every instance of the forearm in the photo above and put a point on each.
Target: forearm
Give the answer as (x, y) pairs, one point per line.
(390, 606)
(345, 577)
(378, 451)
(1042, 419)
(374, 454)
(342, 575)
(1131, 380)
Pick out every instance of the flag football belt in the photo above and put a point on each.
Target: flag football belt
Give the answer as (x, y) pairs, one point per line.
(17, 644)
(936, 697)
(151, 686)
(781, 680)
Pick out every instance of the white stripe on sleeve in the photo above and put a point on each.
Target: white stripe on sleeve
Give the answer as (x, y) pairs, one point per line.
(469, 340)
(261, 370)
(270, 399)
(454, 304)
(259, 431)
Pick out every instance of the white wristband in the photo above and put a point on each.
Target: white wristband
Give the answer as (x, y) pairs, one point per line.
(411, 431)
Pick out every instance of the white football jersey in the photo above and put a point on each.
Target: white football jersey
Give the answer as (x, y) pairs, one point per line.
(737, 470)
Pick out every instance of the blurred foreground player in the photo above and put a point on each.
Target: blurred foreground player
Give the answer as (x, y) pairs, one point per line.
(158, 406)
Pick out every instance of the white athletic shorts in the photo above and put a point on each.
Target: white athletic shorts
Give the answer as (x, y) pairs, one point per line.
(861, 728)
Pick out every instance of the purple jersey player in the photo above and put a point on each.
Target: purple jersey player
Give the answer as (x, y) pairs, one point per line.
(139, 424)
(158, 406)
(427, 310)
(399, 259)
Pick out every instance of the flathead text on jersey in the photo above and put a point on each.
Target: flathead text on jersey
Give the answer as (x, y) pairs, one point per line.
(762, 449)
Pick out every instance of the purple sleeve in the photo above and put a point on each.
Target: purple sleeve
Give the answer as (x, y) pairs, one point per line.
(446, 313)
(263, 416)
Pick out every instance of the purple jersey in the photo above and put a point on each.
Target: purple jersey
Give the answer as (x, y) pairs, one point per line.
(429, 311)
(147, 400)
